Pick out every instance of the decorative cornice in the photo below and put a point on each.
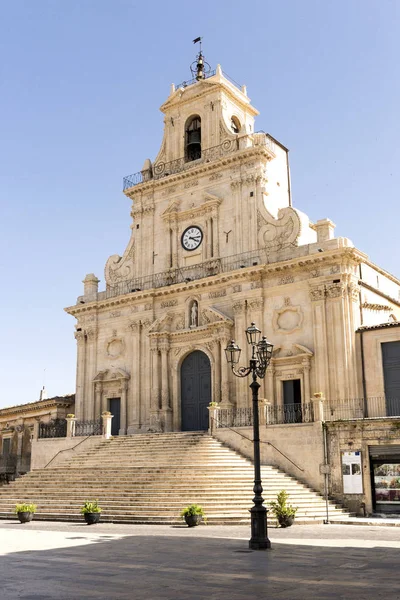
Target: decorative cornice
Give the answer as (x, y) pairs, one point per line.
(248, 273)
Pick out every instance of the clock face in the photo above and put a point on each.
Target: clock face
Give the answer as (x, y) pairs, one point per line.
(192, 238)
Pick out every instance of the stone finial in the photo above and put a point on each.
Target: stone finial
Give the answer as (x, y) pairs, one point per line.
(146, 170)
(325, 230)
(218, 70)
(172, 89)
(244, 90)
(90, 285)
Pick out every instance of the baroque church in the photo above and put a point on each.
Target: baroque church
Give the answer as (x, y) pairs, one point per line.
(215, 245)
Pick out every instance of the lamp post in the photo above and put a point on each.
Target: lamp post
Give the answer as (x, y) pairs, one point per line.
(260, 358)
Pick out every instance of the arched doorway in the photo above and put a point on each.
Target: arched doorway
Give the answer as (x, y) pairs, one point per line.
(195, 391)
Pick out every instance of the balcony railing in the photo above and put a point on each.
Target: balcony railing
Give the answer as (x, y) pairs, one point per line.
(85, 428)
(55, 429)
(268, 415)
(163, 169)
(211, 267)
(359, 408)
(290, 413)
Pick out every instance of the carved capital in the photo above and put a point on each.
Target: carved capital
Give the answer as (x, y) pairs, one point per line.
(134, 326)
(317, 293)
(91, 334)
(354, 292)
(335, 290)
(79, 336)
(255, 303)
(239, 307)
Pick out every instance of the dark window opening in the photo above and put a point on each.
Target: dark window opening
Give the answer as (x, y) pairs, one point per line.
(193, 139)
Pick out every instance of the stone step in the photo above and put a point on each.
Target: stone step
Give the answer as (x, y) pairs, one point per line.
(132, 477)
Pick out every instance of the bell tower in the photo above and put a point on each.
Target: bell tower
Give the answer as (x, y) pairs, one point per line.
(216, 188)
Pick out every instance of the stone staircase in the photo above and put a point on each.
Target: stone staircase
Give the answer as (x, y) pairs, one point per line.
(149, 478)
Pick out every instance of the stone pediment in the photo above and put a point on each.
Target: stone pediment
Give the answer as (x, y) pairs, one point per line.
(162, 325)
(212, 315)
(111, 375)
(293, 350)
(210, 203)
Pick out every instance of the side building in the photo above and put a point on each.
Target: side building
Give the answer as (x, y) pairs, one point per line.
(20, 424)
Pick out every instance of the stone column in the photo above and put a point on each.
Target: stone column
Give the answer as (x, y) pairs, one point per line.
(165, 398)
(337, 348)
(317, 295)
(107, 418)
(98, 389)
(241, 383)
(318, 402)
(306, 374)
(91, 343)
(133, 402)
(71, 421)
(124, 394)
(208, 239)
(155, 387)
(225, 369)
(255, 314)
(217, 378)
(80, 373)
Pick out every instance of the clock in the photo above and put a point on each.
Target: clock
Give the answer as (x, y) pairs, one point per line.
(191, 238)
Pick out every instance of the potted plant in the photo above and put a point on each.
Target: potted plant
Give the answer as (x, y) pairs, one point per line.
(284, 512)
(91, 512)
(193, 515)
(25, 512)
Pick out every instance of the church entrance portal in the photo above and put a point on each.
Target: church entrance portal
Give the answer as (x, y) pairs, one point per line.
(195, 391)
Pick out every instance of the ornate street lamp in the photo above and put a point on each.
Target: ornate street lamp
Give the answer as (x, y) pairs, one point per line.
(260, 358)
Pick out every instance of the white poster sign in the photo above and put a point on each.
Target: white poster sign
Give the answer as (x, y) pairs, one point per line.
(352, 473)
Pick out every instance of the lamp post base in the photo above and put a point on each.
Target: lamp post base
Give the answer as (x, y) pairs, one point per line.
(259, 539)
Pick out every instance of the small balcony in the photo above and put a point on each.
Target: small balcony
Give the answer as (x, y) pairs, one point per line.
(163, 169)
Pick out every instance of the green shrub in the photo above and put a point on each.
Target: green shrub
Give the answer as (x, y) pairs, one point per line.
(193, 509)
(280, 507)
(25, 508)
(90, 507)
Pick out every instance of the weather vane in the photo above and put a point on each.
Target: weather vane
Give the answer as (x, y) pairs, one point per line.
(199, 68)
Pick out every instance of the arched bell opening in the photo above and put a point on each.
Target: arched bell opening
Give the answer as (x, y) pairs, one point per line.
(193, 138)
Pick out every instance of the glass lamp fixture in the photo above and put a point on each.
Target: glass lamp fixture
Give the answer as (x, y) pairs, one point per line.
(232, 352)
(253, 334)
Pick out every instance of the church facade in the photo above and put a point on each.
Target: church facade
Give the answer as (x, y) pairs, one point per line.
(215, 245)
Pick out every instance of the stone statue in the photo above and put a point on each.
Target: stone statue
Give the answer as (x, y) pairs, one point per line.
(193, 315)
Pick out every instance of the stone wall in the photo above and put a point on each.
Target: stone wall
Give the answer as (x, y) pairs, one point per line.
(44, 450)
(302, 443)
(355, 436)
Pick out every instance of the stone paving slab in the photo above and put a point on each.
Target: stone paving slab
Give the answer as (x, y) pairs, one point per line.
(43, 561)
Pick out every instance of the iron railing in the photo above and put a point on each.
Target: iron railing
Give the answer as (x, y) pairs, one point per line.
(86, 428)
(208, 268)
(290, 413)
(55, 429)
(163, 169)
(359, 408)
(8, 464)
(235, 417)
(195, 80)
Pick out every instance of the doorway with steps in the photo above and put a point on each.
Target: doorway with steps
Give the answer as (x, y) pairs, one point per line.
(195, 391)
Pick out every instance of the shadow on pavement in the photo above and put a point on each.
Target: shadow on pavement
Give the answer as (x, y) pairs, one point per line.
(172, 568)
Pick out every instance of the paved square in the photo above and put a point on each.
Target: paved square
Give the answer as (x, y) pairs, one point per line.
(43, 561)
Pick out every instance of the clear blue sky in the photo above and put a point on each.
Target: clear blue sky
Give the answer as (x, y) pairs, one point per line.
(80, 87)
